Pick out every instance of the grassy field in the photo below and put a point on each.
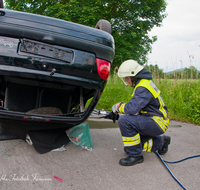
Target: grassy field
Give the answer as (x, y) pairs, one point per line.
(182, 97)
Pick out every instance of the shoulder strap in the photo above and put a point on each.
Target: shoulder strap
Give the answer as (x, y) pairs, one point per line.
(149, 85)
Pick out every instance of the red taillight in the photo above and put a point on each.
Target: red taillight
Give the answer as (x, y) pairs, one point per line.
(103, 68)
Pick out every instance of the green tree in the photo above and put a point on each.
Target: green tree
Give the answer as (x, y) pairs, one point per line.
(161, 74)
(131, 20)
(152, 68)
(155, 71)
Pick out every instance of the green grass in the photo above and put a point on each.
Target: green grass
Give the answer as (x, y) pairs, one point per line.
(114, 92)
(182, 97)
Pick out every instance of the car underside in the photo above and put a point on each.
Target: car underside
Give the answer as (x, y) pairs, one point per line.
(52, 72)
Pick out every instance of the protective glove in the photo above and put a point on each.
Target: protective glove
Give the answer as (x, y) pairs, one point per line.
(113, 116)
(119, 107)
(115, 107)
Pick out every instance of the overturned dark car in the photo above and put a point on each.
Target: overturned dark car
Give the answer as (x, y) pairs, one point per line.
(49, 69)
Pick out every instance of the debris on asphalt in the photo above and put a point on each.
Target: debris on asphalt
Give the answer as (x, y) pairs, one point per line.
(80, 135)
(62, 148)
(58, 178)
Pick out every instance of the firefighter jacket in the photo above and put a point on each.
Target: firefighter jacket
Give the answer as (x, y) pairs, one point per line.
(146, 100)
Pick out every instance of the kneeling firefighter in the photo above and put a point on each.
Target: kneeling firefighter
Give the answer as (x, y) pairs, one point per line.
(145, 115)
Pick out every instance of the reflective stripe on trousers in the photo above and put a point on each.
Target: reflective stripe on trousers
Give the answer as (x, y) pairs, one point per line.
(147, 147)
(162, 123)
(131, 141)
(140, 133)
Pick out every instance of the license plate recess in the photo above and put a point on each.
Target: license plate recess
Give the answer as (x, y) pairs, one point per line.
(42, 49)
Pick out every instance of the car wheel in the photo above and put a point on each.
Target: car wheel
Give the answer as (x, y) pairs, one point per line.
(104, 25)
(1, 4)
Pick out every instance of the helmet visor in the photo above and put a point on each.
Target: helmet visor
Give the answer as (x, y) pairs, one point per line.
(123, 81)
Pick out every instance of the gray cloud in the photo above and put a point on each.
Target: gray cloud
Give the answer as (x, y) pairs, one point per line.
(178, 37)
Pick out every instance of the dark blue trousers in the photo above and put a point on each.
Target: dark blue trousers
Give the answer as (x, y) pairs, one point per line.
(140, 133)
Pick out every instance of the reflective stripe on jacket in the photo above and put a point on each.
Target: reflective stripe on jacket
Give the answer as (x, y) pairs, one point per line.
(148, 84)
(146, 100)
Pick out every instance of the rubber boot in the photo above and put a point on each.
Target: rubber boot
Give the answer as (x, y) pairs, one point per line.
(130, 161)
(164, 150)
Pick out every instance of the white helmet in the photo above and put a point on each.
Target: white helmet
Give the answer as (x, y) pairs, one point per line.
(129, 68)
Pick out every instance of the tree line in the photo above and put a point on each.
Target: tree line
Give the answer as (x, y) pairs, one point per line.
(186, 73)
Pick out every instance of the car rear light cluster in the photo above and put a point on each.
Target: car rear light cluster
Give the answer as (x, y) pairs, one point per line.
(103, 68)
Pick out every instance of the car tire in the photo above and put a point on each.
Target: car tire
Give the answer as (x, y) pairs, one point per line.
(1, 4)
(104, 25)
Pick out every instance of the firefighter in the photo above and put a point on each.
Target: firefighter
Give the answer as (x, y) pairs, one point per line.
(144, 118)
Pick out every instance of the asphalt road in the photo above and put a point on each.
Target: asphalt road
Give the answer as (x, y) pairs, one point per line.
(21, 167)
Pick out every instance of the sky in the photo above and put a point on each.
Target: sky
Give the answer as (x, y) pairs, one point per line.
(178, 43)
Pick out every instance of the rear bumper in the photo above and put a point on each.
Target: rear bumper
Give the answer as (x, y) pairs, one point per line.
(19, 124)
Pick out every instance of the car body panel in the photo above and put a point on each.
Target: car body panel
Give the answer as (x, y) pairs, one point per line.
(43, 60)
